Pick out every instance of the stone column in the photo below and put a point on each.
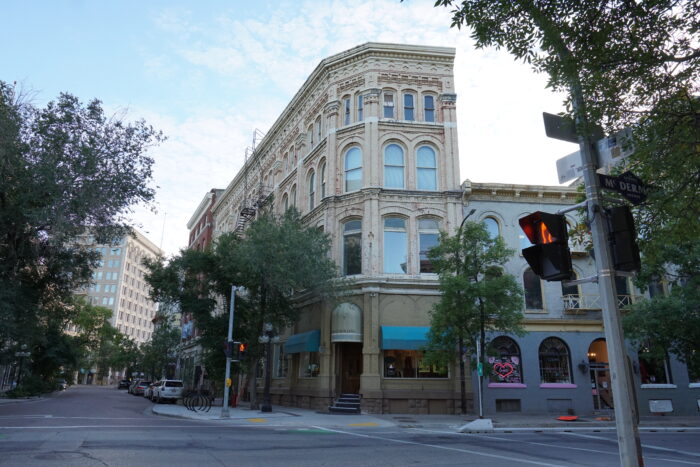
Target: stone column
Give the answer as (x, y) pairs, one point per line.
(449, 173)
(332, 159)
(370, 160)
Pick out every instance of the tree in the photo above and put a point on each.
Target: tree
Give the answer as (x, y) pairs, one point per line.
(276, 260)
(636, 65)
(159, 353)
(64, 168)
(477, 297)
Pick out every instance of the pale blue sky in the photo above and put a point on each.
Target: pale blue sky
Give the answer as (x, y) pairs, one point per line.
(207, 73)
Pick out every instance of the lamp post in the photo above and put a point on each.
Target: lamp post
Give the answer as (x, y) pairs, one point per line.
(268, 337)
(22, 354)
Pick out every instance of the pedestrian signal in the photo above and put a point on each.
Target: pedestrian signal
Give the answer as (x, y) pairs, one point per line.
(549, 256)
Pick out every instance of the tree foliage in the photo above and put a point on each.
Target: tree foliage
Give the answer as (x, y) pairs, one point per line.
(637, 65)
(272, 263)
(64, 168)
(477, 296)
(159, 354)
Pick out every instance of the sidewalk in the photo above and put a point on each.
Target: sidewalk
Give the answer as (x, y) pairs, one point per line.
(515, 422)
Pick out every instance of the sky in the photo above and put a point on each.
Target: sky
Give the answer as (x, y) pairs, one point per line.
(208, 73)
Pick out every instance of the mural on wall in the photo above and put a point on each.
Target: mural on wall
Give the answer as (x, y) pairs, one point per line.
(505, 369)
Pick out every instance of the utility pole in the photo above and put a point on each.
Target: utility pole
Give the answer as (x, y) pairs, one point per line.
(229, 339)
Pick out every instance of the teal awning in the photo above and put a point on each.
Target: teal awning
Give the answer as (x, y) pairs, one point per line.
(304, 342)
(404, 337)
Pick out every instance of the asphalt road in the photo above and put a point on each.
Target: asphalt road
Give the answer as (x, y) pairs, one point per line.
(92, 426)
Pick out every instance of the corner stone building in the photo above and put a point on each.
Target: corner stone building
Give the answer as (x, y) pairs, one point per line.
(367, 151)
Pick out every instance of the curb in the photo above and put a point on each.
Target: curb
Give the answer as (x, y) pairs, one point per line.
(590, 429)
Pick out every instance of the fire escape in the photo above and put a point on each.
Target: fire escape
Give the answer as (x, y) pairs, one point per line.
(255, 199)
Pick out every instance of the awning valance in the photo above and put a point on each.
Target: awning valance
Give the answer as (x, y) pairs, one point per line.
(304, 342)
(404, 337)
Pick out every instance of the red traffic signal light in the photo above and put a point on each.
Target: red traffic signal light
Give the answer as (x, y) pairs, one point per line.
(549, 257)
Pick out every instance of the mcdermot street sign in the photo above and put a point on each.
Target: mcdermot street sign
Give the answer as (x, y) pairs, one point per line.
(628, 185)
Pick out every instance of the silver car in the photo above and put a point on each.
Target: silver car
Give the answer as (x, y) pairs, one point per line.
(168, 389)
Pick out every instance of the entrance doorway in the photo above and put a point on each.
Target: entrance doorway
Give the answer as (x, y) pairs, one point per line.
(349, 366)
(601, 388)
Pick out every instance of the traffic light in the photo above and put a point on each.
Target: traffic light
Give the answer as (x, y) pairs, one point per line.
(622, 239)
(241, 350)
(549, 257)
(236, 351)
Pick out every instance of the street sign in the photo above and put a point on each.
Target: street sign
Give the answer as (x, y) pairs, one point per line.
(615, 148)
(569, 167)
(558, 127)
(628, 185)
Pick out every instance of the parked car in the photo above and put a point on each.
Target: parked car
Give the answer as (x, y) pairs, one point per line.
(148, 392)
(133, 385)
(124, 384)
(140, 387)
(62, 384)
(167, 390)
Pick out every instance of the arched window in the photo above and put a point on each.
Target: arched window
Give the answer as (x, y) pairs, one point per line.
(492, 227)
(504, 359)
(393, 166)
(293, 196)
(318, 130)
(312, 190)
(346, 110)
(353, 169)
(285, 163)
(395, 245)
(429, 108)
(555, 364)
(533, 290)
(323, 179)
(388, 105)
(352, 247)
(428, 237)
(426, 167)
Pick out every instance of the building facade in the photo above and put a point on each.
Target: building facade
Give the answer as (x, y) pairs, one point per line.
(367, 151)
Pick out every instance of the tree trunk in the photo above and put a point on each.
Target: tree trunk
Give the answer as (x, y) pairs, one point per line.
(252, 385)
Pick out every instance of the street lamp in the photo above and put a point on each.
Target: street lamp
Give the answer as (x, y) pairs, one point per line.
(268, 337)
(22, 354)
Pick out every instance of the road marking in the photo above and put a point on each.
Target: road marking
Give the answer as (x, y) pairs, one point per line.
(364, 424)
(649, 446)
(131, 427)
(519, 460)
(257, 420)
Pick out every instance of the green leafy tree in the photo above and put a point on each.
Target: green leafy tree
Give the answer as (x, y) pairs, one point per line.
(159, 353)
(477, 297)
(64, 168)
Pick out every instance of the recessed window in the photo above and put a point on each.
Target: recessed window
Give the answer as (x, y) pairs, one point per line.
(429, 108)
(533, 290)
(492, 227)
(346, 111)
(311, 136)
(388, 105)
(309, 365)
(409, 107)
(653, 366)
(318, 130)
(352, 247)
(393, 166)
(426, 166)
(555, 364)
(428, 237)
(505, 361)
(360, 108)
(353, 169)
(323, 180)
(395, 246)
(293, 196)
(312, 190)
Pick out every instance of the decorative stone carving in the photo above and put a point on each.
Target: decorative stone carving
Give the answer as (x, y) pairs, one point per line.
(332, 108)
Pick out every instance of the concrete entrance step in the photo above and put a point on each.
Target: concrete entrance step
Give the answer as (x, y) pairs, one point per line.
(346, 404)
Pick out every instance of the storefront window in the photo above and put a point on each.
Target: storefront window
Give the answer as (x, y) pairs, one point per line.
(653, 369)
(505, 362)
(310, 364)
(280, 362)
(409, 364)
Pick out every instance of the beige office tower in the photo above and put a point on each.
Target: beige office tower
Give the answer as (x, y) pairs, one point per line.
(119, 284)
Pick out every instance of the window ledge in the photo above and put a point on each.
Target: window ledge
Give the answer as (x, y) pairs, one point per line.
(694, 385)
(659, 386)
(508, 385)
(558, 386)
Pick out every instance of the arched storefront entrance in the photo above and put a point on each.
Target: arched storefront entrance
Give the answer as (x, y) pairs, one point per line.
(601, 386)
(346, 335)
